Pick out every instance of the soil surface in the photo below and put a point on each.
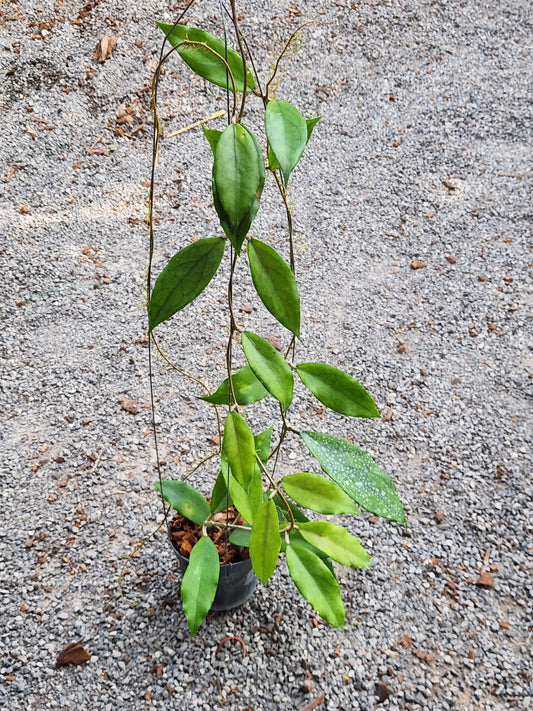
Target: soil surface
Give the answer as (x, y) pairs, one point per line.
(184, 534)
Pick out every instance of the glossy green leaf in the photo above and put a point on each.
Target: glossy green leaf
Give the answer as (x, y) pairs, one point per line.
(246, 386)
(314, 492)
(240, 537)
(272, 160)
(219, 495)
(269, 367)
(337, 390)
(265, 541)
(262, 444)
(336, 542)
(199, 584)
(316, 583)
(213, 136)
(357, 473)
(286, 130)
(204, 62)
(238, 180)
(239, 447)
(311, 123)
(184, 278)
(240, 499)
(275, 284)
(295, 537)
(185, 499)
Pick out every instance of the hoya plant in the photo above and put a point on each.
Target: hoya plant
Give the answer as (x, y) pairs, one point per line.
(271, 505)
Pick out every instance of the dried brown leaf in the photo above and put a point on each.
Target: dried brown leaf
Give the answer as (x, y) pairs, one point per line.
(104, 48)
(128, 405)
(73, 654)
(485, 580)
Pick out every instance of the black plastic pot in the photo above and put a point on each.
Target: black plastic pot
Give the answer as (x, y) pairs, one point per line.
(236, 583)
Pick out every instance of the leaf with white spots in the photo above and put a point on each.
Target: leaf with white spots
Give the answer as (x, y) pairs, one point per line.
(357, 473)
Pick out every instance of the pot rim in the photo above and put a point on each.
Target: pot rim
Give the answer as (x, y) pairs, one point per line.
(223, 566)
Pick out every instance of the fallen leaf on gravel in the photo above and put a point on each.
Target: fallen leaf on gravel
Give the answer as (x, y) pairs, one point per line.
(73, 654)
(24, 210)
(104, 48)
(99, 151)
(424, 656)
(485, 580)
(402, 348)
(381, 690)
(417, 264)
(388, 415)
(405, 641)
(128, 405)
(451, 258)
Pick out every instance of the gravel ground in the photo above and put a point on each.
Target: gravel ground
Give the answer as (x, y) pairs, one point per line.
(423, 155)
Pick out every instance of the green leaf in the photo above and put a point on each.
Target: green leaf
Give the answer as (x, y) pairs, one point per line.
(269, 367)
(199, 584)
(203, 62)
(184, 278)
(239, 447)
(262, 444)
(238, 180)
(185, 499)
(286, 130)
(337, 390)
(265, 541)
(314, 492)
(316, 583)
(357, 473)
(240, 537)
(336, 542)
(213, 136)
(275, 284)
(247, 389)
(272, 160)
(240, 499)
(296, 537)
(311, 123)
(219, 496)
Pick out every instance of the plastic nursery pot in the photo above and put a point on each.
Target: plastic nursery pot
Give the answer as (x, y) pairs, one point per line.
(236, 583)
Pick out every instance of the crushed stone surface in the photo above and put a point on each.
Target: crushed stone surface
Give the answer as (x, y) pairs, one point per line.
(413, 237)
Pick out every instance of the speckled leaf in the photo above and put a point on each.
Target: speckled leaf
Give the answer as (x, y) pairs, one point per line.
(199, 584)
(357, 473)
(316, 583)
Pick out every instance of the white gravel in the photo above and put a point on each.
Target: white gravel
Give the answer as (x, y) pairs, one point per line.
(423, 154)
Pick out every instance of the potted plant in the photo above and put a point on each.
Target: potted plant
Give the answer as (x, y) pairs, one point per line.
(252, 513)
